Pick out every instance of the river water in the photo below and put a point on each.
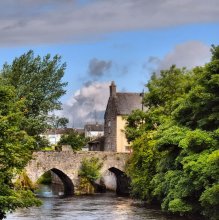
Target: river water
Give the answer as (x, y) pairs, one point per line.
(105, 206)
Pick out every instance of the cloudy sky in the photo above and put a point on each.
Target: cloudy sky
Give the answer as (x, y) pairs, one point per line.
(105, 40)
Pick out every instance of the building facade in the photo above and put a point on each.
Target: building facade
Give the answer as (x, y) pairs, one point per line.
(93, 131)
(119, 105)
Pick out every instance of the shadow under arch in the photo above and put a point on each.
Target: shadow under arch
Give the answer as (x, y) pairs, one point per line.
(67, 183)
(122, 182)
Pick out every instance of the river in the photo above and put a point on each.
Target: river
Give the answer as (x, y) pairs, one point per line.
(105, 206)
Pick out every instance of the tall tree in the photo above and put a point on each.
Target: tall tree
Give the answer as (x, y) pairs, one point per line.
(39, 82)
(175, 159)
(15, 150)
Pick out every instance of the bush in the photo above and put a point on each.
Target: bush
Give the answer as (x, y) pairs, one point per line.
(90, 169)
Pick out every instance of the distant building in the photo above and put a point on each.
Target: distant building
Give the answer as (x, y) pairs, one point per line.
(118, 106)
(54, 135)
(96, 144)
(93, 131)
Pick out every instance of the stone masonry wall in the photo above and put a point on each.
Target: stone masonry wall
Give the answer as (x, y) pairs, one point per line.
(110, 131)
(69, 163)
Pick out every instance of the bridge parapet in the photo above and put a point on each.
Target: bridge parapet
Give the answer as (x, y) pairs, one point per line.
(69, 163)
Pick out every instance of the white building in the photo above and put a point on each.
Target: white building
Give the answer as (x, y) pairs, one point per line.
(93, 131)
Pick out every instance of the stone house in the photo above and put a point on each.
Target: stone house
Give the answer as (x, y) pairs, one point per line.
(118, 106)
(93, 131)
(96, 144)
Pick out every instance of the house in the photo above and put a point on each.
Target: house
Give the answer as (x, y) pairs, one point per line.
(93, 131)
(54, 135)
(96, 144)
(118, 106)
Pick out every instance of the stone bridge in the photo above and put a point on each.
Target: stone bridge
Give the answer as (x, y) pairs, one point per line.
(66, 165)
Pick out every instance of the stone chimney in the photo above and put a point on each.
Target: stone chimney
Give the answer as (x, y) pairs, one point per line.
(112, 89)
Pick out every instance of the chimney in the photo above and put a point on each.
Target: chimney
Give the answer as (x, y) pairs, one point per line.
(112, 89)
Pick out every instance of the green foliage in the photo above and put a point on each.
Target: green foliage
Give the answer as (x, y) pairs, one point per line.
(210, 201)
(15, 199)
(38, 82)
(90, 169)
(142, 165)
(166, 88)
(23, 182)
(85, 187)
(178, 166)
(74, 139)
(56, 122)
(30, 88)
(15, 150)
(46, 178)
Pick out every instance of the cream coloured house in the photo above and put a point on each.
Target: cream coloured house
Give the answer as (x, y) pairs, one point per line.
(118, 106)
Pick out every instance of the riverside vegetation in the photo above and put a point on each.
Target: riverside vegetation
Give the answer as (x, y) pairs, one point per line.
(30, 88)
(89, 172)
(175, 156)
(175, 142)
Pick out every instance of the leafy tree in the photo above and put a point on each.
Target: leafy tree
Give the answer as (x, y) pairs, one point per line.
(56, 122)
(38, 81)
(90, 169)
(74, 139)
(30, 88)
(175, 157)
(165, 88)
(15, 151)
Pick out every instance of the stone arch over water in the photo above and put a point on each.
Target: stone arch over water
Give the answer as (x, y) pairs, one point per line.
(115, 179)
(66, 181)
(67, 165)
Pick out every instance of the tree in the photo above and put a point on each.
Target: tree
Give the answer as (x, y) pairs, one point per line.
(90, 169)
(38, 81)
(16, 147)
(30, 88)
(56, 122)
(74, 139)
(175, 150)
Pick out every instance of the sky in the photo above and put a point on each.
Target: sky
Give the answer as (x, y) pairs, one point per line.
(108, 40)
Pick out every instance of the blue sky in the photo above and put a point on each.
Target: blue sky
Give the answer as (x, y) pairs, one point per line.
(105, 40)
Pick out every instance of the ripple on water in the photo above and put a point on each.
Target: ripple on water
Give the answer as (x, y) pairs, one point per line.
(97, 207)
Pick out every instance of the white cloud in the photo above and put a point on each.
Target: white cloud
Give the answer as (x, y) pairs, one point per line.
(25, 22)
(86, 104)
(188, 54)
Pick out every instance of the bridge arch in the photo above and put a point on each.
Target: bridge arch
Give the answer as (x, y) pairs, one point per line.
(122, 181)
(115, 179)
(66, 181)
(66, 165)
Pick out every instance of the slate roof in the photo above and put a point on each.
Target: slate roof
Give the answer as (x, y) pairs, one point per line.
(93, 127)
(59, 131)
(127, 102)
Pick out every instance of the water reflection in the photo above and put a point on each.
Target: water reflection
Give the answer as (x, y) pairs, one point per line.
(106, 206)
(53, 190)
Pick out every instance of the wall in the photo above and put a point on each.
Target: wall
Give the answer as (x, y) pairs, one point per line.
(122, 144)
(110, 126)
(69, 163)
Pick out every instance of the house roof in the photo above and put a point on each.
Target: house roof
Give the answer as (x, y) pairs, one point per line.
(93, 127)
(97, 140)
(127, 102)
(62, 131)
